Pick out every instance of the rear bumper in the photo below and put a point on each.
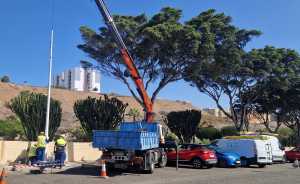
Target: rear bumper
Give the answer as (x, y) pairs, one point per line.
(233, 163)
(278, 158)
(211, 161)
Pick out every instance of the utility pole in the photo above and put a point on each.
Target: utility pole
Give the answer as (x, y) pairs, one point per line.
(49, 86)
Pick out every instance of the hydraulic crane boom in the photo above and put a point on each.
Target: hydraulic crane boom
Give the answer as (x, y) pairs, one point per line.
(128, 61)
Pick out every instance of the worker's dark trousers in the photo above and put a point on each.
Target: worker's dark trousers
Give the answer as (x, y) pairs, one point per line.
(60, 156)
(32, 160)
(40, 154)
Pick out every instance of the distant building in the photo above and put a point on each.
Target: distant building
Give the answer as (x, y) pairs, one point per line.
(79, 79)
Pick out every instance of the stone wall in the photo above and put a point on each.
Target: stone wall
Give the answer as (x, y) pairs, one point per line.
(12, 151)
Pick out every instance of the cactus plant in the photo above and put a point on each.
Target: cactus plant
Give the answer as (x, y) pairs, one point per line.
(99, 114)
(184, 124)
(31, 109)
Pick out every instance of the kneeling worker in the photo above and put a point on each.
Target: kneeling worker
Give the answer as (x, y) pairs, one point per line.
(32, 154)
(59, 150)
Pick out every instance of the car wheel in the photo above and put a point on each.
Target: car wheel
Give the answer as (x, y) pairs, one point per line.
(197, 163)
(284, 160)
(244, 162)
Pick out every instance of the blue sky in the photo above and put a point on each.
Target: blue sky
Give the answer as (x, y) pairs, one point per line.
(24, 34)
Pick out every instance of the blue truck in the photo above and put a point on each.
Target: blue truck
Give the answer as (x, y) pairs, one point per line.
(135, 145)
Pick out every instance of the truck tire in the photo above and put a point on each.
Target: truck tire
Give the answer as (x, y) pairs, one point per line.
(163, 161)
(151, 168)
(150, 165)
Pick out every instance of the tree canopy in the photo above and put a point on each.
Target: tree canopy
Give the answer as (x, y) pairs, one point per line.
(207, 51)
(281, 72)
(161, 46)
(5, 79)
(220, 65)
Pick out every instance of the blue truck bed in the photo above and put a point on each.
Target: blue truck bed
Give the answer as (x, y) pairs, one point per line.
(131, 136)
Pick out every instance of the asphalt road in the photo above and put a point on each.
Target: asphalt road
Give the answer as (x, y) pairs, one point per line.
(275, 174)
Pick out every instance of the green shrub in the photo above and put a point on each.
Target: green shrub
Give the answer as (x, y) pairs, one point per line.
(258, 137)
(229, 131)
(11, 129)
(79, 135)
(205, 141)
(210, 133)
(287, 137)
(201, 141)
(285, 132)
(171, 137)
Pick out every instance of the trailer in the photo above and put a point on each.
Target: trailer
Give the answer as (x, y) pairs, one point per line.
(136, 145)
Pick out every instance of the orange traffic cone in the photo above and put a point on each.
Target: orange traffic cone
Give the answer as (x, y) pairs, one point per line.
(2, 177)
(103, 173)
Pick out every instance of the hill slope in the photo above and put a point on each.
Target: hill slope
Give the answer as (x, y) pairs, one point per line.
(67, 98)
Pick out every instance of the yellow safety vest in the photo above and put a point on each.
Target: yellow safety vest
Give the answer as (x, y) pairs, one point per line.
(41, 141)
(32, 151)
(60, 142)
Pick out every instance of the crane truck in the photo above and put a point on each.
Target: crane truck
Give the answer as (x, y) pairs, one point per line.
(136, 144)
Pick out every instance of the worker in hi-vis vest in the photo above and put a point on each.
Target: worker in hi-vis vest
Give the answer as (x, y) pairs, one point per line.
(32, 154)
(59, 150)
(41, 146)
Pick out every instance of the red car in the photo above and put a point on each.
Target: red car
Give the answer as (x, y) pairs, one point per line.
(293, 154)
(195, 154)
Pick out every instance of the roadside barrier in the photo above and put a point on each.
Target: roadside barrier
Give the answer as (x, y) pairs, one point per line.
(103, 173)
(3, 176)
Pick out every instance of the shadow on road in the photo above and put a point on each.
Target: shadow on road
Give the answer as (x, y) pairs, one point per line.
(95, 171)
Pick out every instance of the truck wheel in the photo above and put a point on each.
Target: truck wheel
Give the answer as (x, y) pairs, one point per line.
(151, 168)
(197, 163)
(163, 161)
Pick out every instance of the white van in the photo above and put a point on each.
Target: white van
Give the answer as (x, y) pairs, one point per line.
(278, 155)
(252, 151)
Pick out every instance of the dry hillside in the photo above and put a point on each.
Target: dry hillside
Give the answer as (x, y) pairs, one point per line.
(67, 98)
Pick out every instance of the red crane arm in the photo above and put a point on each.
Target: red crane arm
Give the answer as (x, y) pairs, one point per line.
(128, 61)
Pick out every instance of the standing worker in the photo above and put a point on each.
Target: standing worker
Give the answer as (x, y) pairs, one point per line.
(59, 150)
(41, 146)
